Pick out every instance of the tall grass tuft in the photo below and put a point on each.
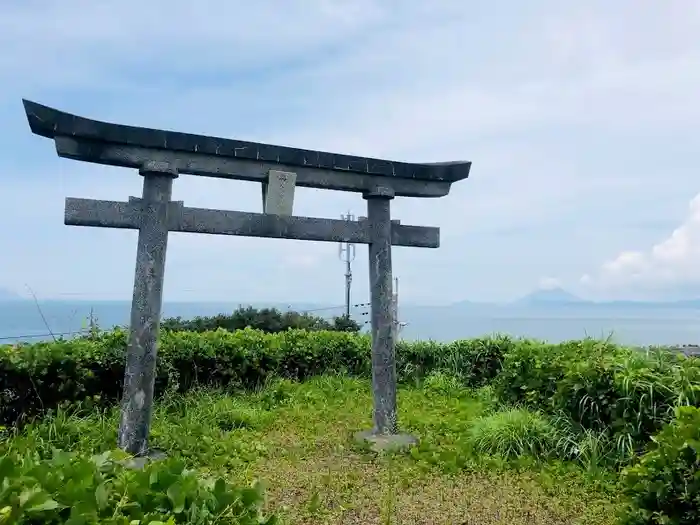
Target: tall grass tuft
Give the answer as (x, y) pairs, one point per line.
(512, 433)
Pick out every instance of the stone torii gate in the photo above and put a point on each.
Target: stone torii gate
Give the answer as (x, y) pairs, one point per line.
(161, 156)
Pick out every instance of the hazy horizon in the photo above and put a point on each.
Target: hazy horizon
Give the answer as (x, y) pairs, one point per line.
(23, 320)
(543, 296)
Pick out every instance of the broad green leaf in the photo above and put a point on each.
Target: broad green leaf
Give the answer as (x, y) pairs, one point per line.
(177, 497)
(48, 504)
(102, 496)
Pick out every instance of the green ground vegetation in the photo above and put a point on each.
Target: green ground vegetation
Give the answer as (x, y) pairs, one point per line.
(296, 439)
(511, 431)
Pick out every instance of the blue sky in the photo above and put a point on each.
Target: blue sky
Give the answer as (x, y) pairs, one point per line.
(581, 120)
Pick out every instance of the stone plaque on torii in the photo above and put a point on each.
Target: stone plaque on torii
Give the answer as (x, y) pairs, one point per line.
(161, 156)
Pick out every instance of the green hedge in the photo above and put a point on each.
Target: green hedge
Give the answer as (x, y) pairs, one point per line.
(598, 385)
(36, 377)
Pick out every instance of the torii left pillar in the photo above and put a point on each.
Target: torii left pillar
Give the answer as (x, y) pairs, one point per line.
(146, 305)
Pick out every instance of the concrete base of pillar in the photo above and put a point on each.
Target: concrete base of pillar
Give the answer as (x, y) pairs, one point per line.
(386, 442)
(139, 462)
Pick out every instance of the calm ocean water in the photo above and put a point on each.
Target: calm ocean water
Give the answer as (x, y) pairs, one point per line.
(21, 320)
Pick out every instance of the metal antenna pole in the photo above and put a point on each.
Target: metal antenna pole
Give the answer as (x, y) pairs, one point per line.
(346, 252)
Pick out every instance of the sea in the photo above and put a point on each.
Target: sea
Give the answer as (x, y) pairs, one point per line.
(29, 321)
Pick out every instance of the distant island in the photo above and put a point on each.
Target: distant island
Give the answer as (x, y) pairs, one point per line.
(549, 296)
(559, 296)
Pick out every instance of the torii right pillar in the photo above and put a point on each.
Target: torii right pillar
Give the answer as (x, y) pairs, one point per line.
(384, 434)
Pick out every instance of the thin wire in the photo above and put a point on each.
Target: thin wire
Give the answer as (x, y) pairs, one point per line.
(27, 336)
(333, 307)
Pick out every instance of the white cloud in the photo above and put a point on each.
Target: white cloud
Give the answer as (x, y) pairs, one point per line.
(549, 283)
(671, 264)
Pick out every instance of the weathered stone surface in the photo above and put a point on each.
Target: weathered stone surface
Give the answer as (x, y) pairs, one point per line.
(142, 351)
(386, 442)
(115, 214)
(51, 123)
(381, 298)
(236, 168)
(140, 462)
(278, 193)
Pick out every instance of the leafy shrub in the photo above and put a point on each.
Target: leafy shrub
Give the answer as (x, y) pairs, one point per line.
(538, 374)
(442, 383)
(277, 393)
(592, 449)
(512, 433)
(70, 488)
(269, 320)
(486, 395)
(602, 387)
(37, 377)
(416, 360)
(475, 361)
(664, 485)
(479, 361)
(649, 387)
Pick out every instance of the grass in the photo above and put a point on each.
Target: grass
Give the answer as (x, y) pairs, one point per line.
(475, 464)
(513, 433)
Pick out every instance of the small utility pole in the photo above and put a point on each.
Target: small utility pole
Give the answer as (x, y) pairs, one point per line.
(346, 252)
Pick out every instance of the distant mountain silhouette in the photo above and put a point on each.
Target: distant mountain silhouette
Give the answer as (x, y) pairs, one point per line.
(549, 296)
(560, 297)
(544, 298)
